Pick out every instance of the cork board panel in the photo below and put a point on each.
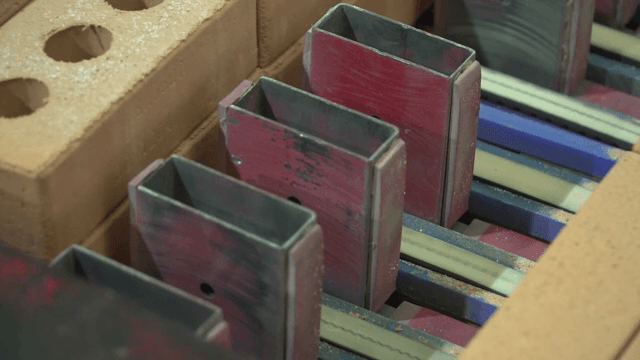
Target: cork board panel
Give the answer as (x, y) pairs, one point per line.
(581, 300)
(103, 118)
(282, 22)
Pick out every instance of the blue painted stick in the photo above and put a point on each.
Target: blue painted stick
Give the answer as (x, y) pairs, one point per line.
(430, 289)
(614, 74)
(501, 207)
(526, 134)
(540, 165)
(467, 243)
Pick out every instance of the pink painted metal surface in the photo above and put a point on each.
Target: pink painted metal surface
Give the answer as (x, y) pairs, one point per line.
(299, 146)
(464, 131)
(505, 239)
(306, 269)
(221, 335)
(609, 98)
(434, 323)
(60, 317)
(140, 257)
(228, 243)
(388, 187)
(366, 63)
(332, 182)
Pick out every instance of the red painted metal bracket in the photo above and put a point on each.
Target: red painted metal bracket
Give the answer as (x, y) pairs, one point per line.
(255, 255)
(409, 78)
(346, 166)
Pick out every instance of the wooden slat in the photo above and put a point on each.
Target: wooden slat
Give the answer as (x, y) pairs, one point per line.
(431, 289)
(429, 251)
(614, 74)
(540, 165)
(507, 209)
(559, 109)
(530, 182)
(616, 42)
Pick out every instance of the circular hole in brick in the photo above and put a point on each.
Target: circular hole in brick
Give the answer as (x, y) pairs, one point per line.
(207, 289)
(20, 97)
(133, 5)
(77, 43)
(294, 199)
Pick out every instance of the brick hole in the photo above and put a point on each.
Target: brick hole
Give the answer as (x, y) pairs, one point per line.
(77, 43)
(20, 97)
(133, 5)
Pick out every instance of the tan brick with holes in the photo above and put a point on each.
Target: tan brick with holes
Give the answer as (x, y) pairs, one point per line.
(90, 94)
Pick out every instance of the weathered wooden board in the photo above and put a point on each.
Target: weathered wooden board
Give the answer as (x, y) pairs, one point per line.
(401, 75)
(229, 243)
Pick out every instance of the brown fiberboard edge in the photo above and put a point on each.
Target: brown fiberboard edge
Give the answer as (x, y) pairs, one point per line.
(581, 300)
(288, 66)
(62, 203)
(282, 22)
(8, 8)
(111, 237)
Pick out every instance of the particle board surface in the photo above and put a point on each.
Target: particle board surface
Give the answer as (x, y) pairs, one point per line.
(581, 299)
(64, 167)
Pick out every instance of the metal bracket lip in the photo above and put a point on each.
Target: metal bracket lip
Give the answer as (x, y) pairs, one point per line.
(397, 26)
(393, 131)
(71, 257)
(286, 244)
